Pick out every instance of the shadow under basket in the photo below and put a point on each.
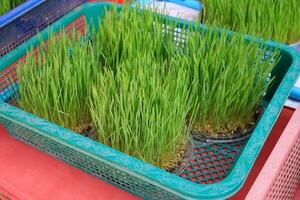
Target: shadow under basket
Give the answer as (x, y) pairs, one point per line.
(223, 169)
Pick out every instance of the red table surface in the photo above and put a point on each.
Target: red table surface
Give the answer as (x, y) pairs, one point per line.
(26, 173)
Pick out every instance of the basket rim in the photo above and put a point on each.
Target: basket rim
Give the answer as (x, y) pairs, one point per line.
(137, 168)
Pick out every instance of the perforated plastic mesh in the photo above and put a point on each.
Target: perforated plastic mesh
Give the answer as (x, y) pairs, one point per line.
(26, 26)
(93, 166)
(211, 162)
(288, 179)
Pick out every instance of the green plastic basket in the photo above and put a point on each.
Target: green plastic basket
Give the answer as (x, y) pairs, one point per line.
(124, 171)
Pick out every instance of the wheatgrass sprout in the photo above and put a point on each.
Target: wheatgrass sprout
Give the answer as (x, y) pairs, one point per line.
(7, 5)
(55, 84)
(228, 80)
(141, 108)
(270, 19)
(124, 35)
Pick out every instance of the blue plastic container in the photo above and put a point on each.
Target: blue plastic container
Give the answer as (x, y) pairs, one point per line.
(193, 4)
(23, 22)
(295, 92)
(18, 11)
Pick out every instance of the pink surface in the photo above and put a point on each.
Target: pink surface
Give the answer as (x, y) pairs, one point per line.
(26, 173)
(277, 180)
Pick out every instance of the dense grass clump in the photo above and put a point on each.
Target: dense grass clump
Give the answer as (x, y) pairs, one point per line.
(7, 5)
(270, 19)
(55, 83)
(228, 80)
(127, 34)
(141, 108)
(151, 88)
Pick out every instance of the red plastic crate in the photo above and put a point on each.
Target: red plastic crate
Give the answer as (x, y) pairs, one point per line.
(280, 176)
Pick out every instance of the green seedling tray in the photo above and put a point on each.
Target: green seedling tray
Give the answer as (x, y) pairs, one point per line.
(117, 168)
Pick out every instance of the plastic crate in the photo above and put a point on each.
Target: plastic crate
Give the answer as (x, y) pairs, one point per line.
(193, 4)
(124, 171)
(26, 20)
(280, 176)
(18, 11)
(186, 9)
(171, 9)
(295, 92)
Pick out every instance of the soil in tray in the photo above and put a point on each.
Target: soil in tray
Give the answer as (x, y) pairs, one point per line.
(90, 132)
(229, 132)
(173, 164)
